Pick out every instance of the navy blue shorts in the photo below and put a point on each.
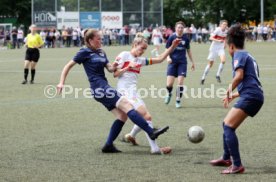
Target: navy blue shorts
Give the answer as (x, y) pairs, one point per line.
(177, 69)
(249, 106)
(107, 96)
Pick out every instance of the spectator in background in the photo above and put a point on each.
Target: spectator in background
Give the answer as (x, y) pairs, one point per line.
(69, 37)
(265, 32)
(122, 34)
(8, 39)
(199, 35)
(58, 38)
(146, 34)
(193, 33)
(14, 37)
(205, 33)
(260, 33)
(20, 37)
(274, 30)
(2, 37)
(132, 34)
(255, 33)
(64, 35)
(75, 37)
(126, 35)
(43, 35)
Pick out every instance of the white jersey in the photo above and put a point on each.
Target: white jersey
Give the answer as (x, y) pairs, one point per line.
(127, 82)
(220, 35)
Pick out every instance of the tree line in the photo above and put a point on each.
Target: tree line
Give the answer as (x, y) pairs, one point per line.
(198, 12)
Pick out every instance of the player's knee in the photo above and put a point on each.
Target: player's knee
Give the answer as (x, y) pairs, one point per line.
(122, 117)
(125, 105)
(147, 117)
(211, 63)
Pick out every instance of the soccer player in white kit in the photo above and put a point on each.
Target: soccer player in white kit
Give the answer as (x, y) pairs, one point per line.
(216, 50)
(157, 39)
(128, 69)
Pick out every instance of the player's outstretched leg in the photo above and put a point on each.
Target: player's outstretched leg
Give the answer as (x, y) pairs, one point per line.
(113, 134)
(205, 73)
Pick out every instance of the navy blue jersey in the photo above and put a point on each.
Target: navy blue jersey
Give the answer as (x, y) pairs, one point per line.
(94, 62)
(179, 53)
(250, 87)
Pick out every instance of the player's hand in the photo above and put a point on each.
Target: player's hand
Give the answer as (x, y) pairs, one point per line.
(132, 64)
(225, 102)
(176, 42)
(228, 98)
(59, 88)
(193, 67)
(169, 61)
(115, 64)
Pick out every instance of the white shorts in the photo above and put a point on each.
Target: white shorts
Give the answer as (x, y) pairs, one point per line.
(213, 54)
(133, 98)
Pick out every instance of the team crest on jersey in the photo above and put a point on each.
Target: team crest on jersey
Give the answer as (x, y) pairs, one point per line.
(100, 53)
(236, 62)
(183, 42)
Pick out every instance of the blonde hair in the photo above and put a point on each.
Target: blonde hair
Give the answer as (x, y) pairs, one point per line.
(223, 21)
(139, 38)
(89, 34)
(32, 26)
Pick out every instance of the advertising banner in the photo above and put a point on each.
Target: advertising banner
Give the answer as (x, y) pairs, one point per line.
(67, 19)
(112, 20)
(90, 20)
(45, 19)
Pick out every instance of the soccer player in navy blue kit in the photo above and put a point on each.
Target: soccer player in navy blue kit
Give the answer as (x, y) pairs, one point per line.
(177, 63)
(249, 89)
(94, 60)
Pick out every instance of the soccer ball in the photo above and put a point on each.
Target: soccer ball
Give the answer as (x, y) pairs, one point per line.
(196, 134)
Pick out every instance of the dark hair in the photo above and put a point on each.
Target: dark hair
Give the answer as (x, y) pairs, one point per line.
(180, 22)
(236, 36)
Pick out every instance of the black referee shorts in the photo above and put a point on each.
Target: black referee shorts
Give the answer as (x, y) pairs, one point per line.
(32, 54)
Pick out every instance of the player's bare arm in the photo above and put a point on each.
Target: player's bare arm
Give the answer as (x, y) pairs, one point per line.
(64, 74)
(165, 54)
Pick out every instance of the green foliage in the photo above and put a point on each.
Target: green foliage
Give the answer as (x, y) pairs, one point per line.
(19, 9)
(200, 12)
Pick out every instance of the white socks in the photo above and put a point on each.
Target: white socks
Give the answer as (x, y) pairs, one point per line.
(205, 72)
(153, 145)
(220, 69)
(135, 130)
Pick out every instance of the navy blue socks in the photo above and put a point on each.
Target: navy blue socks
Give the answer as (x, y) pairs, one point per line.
(137, 119)
(232, 143)
(169, 89)
(226, 154)
(114, 131)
